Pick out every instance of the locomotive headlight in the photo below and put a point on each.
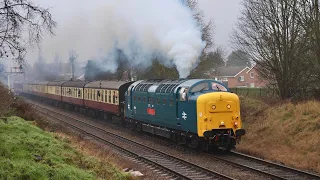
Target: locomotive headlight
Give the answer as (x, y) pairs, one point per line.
(213, 107)
(222, 123)
(228, 106)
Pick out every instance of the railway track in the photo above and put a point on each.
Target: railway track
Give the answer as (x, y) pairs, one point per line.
(242, 161)
(278, 171)
(253, 164)
(166, 165)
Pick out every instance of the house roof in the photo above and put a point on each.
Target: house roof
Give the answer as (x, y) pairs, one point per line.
(231, 71)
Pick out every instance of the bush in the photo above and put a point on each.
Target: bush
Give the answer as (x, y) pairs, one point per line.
(13, 105)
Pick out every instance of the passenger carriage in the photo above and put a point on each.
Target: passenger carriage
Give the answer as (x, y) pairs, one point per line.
(106, 96)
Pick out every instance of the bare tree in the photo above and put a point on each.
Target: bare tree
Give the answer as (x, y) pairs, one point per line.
(273, 34)
(206, 28)
(22, 23)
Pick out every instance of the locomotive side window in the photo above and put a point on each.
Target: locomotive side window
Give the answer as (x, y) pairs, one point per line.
(164, 101)
(183, 94)
(158, 100)
(171, 102)
(139, 99)
(134, 98)
(150, 100)
(144, 99)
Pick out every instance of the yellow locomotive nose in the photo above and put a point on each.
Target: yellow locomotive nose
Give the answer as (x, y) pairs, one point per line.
(218, 111)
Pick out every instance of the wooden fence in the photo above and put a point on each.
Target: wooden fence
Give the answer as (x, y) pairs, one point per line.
(254, 92)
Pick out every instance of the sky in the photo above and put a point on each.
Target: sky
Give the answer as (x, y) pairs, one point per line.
(224, 14)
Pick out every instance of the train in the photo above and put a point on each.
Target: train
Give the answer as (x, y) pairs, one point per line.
(198, 113)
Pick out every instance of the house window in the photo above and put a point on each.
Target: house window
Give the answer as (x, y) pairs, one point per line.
(225, 79)
(241, 78)
(251, 75)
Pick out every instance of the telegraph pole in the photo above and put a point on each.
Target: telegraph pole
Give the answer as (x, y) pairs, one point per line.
(14, 72)
(72, 57)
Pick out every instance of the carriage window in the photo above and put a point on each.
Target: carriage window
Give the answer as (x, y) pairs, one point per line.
(113, 97)
(200, 87)
(79, 93)
(116, 97)
(109, 95)
(164, 101)
(218, 87)
(106, 96)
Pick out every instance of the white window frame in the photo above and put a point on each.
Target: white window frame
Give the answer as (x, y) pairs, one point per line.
(251, 75)
(241, 78)
(225, 79)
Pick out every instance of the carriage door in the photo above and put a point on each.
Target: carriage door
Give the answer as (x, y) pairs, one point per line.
(128, 102)
(181, 106)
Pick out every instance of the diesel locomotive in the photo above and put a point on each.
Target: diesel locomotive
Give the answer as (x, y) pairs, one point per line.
(199, 113)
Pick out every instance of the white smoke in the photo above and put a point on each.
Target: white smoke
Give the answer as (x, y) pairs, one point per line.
(142, 29)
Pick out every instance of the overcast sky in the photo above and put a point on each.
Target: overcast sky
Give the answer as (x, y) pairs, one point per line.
(224, 14)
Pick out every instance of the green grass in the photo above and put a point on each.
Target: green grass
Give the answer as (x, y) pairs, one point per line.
(27, 152)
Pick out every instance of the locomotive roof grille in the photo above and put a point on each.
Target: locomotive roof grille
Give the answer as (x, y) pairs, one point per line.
(165, 86)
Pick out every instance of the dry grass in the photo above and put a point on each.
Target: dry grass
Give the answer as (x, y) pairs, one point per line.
(287, 133)
(100, 151)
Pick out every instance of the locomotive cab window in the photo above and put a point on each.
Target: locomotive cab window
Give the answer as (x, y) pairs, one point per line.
(200, 87)
(218, 87)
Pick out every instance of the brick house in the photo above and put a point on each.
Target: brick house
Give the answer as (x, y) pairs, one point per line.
(240, 76)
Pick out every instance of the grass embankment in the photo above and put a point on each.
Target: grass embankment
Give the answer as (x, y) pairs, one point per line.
(284, 132)
(27, 152)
